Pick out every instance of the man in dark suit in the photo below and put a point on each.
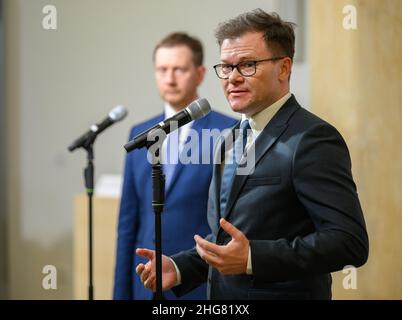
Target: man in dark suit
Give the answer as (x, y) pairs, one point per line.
(178, 71)
(280, 228)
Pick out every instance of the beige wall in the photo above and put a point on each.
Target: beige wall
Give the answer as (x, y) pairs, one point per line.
(356, 85)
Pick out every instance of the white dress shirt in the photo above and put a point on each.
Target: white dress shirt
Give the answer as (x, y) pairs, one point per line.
(184, 130)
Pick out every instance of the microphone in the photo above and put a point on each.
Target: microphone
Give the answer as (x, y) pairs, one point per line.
(195, 110)
(117, 114)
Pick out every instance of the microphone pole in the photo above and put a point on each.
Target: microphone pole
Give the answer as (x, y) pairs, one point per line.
(158, 201)
(89, 185)
(89, 173)
(154, 144)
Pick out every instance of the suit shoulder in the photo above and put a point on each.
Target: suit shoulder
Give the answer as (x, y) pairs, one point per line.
(310, 124)
(142, 126)
(310, 120)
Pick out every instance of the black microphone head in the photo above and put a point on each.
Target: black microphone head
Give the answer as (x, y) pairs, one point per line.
(118, 113)
(198, 108)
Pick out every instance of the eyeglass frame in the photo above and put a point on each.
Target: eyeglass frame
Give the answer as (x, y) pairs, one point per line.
(235, 66)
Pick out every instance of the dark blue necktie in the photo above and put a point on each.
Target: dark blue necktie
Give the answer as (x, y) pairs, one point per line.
(231, 165)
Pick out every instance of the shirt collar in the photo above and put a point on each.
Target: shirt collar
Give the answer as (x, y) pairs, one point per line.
(260, 120)
(169, 111)
(184, 130)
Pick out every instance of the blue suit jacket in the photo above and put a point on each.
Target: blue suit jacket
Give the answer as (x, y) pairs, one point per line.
(184, 215)
(299, 209)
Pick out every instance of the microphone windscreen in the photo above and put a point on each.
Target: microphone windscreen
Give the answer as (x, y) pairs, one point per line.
(118, 113)
(199, 108)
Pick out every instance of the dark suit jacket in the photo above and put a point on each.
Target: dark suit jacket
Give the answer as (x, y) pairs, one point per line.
(184, 212)
(299, 209)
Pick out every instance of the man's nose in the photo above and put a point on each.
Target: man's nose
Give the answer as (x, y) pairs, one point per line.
(235, 76)
(170, 77)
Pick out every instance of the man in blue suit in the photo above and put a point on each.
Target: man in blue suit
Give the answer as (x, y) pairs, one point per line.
(178, 61)
(282, 225)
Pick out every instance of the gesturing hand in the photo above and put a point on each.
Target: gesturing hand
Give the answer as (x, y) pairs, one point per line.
(229, 259)
(147, 272)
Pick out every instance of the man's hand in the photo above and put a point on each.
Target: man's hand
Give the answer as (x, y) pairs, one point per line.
(147, 272)
(229, 259)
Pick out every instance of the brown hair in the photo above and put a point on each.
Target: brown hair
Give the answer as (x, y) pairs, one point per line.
(278, 34)
(183, 39)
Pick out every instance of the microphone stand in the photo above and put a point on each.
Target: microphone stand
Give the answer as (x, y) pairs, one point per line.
(158, 199)
(87, 143)
(89, 185)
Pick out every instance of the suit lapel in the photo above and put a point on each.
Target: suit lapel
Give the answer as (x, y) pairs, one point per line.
(263, 143)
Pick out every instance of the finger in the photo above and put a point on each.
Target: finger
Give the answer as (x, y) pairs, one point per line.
(208, 257)
(152, 280)
(149, 284)
(200, 251)
(207, 246)
(145, 274)
(140, 268)
(231, 229)
(145, 253)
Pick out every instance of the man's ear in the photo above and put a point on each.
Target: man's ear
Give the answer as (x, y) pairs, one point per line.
(200, 74)
(286, 69)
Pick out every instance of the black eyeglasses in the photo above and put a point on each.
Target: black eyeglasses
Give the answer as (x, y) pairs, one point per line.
(245, 68)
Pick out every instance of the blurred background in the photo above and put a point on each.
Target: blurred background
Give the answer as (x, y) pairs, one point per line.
(55, 83)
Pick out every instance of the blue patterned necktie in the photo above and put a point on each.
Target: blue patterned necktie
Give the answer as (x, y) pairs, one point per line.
(230, 167)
